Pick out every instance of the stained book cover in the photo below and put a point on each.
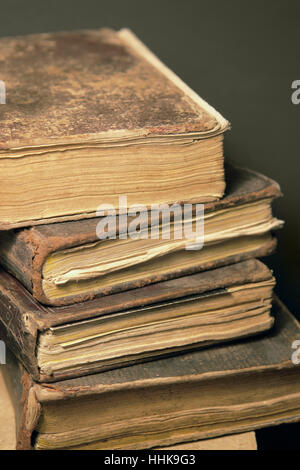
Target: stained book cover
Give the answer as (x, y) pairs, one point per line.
(263, 359)
(46, 71)
(147, 316)
(24, 252)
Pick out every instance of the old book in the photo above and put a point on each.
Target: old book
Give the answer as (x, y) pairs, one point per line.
(137, 325)
(245, 441)
(92, 115)
(197, 395)
(66, 262)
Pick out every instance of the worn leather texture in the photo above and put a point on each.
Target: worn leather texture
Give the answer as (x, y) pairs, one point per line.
(57, 86)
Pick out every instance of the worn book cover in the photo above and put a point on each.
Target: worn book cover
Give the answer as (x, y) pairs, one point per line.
(197, 395)
(66, 262)
(135, 326)
(91, 115)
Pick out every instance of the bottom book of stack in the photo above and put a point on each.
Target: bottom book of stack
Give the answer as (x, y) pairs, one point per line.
(244, 441)
(203, 394)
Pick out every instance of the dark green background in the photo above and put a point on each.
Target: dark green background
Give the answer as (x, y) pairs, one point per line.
(241, 56)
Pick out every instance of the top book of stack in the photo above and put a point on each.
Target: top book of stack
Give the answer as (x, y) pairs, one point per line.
(89, 116)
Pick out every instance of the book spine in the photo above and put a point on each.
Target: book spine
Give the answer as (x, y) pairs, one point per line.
(16, 255)
(17, 327)
(22, 254)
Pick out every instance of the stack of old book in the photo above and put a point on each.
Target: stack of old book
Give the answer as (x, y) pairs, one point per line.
(131, 297)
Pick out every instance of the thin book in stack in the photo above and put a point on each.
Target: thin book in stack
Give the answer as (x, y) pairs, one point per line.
(115, 341)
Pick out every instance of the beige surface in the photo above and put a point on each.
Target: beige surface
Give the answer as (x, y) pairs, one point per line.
(7, 419)
(244, 441)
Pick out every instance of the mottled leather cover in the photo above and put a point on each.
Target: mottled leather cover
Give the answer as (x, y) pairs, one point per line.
(257, 355)
(23, 251)
(22, 318)
(57, 85)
